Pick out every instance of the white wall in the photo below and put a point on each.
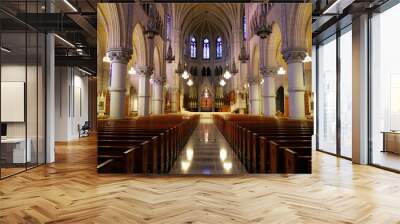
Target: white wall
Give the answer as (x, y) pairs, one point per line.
(71, 103)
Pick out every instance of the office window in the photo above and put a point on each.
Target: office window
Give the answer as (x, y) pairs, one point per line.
(326, 97)
(346, 94)
(385, 88)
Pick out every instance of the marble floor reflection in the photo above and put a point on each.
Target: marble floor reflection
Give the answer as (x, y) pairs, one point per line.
(207, 152)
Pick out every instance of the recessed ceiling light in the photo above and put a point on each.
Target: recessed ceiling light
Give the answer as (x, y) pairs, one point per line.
(5, 50)
(70, 5)
(65, 41)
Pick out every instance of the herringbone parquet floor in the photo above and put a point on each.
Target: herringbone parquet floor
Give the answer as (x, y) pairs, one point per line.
(70, 191)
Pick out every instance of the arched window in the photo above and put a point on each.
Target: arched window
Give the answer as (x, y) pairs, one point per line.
(206, 48)
(192, 47)
(219, 47)
(244, 28)
(169, 27)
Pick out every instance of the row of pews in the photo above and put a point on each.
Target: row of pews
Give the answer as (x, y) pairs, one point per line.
(146, 145)
(268, 145)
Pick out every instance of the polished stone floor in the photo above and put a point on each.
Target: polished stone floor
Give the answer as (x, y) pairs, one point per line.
(207, 152)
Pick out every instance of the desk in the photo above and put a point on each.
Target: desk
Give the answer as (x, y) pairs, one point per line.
(13, 150)
(391, 141)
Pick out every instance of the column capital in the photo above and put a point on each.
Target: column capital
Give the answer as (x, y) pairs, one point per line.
(253, 80)
(157, 80)
(122, 55)
(268, 71)
(294, 55)
(144, 70)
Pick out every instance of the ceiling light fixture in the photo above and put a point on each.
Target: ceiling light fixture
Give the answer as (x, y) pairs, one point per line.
(307, 58)
(185, 75)
(106, 59)
(70, 5)
(190, 82)
(64, 40)
(132, 71)
(281, 71)
(222, 82)
(84, 71)
(227, 74)
(5, 50)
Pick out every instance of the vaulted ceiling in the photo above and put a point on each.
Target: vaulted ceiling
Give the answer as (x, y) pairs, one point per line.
(199, 17)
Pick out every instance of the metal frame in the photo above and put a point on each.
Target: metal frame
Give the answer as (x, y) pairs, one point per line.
(389, 4)
(339, 32)
(26, 32)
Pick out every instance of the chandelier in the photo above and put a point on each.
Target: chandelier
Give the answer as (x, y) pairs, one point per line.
(190, 82)
(170, 57)
(307, 58)
(234, 70)
(151, 26)
(222, 82)
(106, 59)
(227, 74)
(263, 29)
(185, 73)
(132, 71)
(179, 69)
(243, 56)
(281, 71)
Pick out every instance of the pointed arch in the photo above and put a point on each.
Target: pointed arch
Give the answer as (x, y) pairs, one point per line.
(139, 44)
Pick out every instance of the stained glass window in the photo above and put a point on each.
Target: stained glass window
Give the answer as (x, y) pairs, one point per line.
(206, 48)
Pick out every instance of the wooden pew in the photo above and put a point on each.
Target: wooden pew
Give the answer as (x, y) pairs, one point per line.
(154, 143)
(277, 148)
(297, 160)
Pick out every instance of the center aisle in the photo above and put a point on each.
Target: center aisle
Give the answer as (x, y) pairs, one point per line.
(207, 152)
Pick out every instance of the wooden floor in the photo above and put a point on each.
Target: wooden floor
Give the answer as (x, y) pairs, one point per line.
(70, 191)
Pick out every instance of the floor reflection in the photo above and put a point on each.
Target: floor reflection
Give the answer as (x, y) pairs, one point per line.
(207, 152)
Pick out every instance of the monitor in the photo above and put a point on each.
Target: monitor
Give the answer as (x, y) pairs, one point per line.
(3, 129)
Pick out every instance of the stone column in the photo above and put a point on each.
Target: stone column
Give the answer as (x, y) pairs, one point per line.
(143, 73)
(119, 60)
(174, 99)
(254, 96)
(157, 95)
(269, 91)
(294, 58)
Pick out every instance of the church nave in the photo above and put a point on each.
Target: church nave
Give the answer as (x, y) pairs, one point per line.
(207, 152)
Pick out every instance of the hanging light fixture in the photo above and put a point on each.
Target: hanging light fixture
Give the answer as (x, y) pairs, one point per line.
(152, 26)
(243, 56)
(227, 74)
(262, 81)
(179, 69)
(185, 73)
(170, 57)
(307, 58)
(190, 82)
(234, 70)
(222, 82)
(132, 71)
(106, 59)
(263, 29)
(281, 71)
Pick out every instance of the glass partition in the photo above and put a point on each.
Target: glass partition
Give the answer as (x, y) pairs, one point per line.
(22, 89)
(326, 98)
(346, 93)
(385, 89)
